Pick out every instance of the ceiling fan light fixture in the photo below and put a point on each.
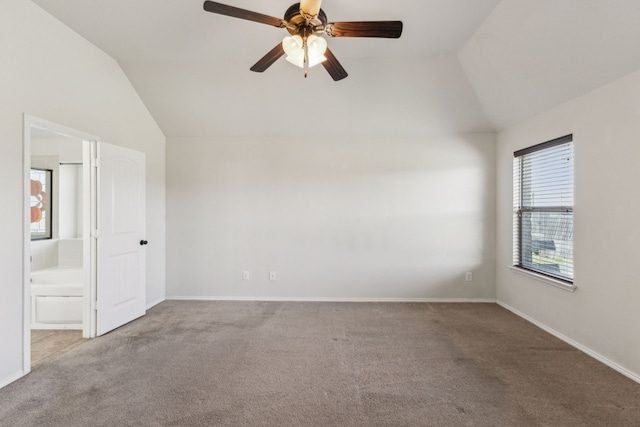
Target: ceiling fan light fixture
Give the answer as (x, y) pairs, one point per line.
(310, 8)
(304, 21)
(313, 61)
(292, 45)
(297, 60)
(316, 47)
(294, 48)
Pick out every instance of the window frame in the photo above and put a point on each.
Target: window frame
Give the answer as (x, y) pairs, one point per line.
(518, 264)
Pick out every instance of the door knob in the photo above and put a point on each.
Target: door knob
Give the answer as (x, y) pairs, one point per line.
(143, 242)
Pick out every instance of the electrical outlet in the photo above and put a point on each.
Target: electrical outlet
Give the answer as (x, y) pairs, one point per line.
(272, 275)
(468, 277)
(246, 275)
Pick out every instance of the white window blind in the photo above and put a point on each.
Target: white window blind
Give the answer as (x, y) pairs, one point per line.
(543, 208)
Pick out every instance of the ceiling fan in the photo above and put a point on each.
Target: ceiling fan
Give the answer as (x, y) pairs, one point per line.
(306, 23)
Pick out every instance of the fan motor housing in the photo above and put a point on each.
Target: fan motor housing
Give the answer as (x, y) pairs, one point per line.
(299, 25)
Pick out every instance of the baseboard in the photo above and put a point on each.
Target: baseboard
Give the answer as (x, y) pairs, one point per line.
(330, 299)
(154, 303)
(613, 365)
(11, 378)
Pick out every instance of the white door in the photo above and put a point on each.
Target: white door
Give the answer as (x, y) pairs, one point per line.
(121, 240)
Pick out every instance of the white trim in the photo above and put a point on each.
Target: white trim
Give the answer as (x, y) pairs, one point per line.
(330, 299)
(90, 198)
(613, 365)
(569, 287)
(154, 303)
(12, 378)
(57, 128)
(26, 247)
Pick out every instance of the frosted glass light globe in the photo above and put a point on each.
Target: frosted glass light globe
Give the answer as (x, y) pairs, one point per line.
(316, 47)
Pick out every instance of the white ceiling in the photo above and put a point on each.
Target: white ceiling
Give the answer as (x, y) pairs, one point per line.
(460, 65)
(171, 30)
(531, 55)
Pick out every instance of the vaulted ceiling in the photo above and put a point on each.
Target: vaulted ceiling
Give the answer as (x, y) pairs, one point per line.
(531, 55)
(460, 65)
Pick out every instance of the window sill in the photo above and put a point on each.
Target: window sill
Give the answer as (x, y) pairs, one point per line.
(542, 278)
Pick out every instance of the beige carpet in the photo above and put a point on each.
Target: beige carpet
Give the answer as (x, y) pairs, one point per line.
(323, 364)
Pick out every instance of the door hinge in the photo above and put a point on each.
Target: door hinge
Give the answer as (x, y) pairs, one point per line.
(95, 234)
(94, 305)
(95, 162)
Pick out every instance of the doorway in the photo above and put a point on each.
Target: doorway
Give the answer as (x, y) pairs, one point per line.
(104, 226)
(58, 247)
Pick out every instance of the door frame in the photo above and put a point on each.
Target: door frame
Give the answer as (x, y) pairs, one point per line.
(89, 210)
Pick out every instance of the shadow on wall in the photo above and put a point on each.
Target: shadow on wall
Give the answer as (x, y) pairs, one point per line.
(357, 218)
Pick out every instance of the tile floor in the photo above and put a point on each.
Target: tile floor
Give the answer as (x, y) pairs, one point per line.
(47, 345)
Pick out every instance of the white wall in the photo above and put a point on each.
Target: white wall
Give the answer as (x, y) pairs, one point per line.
(70, 218)
(334, 217)
(603, 314)
(50, 72)
(68, 150)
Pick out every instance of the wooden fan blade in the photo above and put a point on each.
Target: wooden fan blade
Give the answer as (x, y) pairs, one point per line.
(381, 29)
(268, 60)
(223, 9)
(333, 67)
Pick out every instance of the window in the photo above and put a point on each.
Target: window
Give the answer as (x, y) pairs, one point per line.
(543, 209)
(40, 203)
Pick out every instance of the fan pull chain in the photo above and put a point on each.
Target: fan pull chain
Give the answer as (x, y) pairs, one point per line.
(306, 61)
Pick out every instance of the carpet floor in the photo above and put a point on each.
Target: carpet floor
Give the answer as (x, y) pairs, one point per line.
(323, 364)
